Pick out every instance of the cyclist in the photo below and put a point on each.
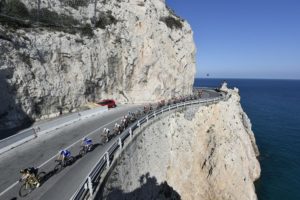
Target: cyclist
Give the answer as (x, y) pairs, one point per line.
(125, 121)
(28, 174)
(106, 132)
(117, 128)
(87, 143)
(64, 155)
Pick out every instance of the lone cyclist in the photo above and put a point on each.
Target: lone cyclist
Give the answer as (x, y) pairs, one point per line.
(30, 174)
(87, 143)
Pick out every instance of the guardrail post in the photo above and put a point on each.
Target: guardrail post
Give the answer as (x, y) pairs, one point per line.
(120, 143)
(107, 159)
(35, 133)
(130, 132)
(162, 111)
(139, 124)
(154, 114)
(90, 186)
(147, 118)
(169, 108)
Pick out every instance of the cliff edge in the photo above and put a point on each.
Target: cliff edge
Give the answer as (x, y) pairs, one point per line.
(202, 152)
(56, 56)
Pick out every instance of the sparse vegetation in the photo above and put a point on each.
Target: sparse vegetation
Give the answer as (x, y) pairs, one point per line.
(105, 19)
(52, 18)
(76, 3)
(16, 15)
(14, 8)
(87, 31)
(25, 58)
(172, 22)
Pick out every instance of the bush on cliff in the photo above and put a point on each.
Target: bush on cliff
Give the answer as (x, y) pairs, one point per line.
(14, 8)
(87, 31)
(172, 22)
(76, 3)
(105, 19)
(52, 18)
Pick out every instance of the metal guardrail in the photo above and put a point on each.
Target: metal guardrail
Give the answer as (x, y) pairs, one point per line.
(88, 188)
(31, 133)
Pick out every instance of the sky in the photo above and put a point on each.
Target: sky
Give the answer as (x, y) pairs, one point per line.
(244, 38)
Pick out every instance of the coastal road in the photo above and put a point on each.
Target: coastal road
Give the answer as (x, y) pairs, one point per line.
(42, 153)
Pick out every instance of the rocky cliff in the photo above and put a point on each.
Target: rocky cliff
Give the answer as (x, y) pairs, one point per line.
(57, 55)
(206, 153)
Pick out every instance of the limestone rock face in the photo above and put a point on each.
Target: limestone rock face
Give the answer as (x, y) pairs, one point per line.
(206, 153)
(129, 50)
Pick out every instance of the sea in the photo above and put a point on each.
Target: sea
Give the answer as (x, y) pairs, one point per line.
(273, 107)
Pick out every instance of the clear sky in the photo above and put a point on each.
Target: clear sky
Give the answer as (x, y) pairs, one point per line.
(244, 38)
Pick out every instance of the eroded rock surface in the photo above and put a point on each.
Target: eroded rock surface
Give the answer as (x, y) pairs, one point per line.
(62, 55)
(203, 153)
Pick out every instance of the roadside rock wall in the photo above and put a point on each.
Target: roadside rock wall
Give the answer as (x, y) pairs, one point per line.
(60, 55)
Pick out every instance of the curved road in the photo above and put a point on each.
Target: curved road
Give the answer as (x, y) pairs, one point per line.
(42, 152)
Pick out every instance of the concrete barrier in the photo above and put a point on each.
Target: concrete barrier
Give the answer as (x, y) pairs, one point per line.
(17, 139)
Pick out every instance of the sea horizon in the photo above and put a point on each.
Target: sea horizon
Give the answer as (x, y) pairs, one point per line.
(279, 79)
(273, 108)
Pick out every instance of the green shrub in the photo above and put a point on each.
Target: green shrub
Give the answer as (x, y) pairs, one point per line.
(171, 22)
(105, 19)
(87, 31)
(25, 58)
(76, 3)
(14, 8)
(52, 18)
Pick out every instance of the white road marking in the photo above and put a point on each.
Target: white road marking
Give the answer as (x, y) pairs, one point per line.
(44, 163)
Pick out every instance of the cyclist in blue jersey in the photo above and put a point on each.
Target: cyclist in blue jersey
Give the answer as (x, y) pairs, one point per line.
(64, 155)
(87, 143)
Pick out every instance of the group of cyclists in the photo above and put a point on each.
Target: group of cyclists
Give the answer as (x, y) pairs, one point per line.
(31, 174)
(119, 127)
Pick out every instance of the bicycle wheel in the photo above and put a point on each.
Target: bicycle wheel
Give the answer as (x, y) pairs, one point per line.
(71, 160)
(25, 189)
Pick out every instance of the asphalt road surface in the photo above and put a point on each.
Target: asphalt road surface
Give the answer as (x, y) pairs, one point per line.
(42, 152)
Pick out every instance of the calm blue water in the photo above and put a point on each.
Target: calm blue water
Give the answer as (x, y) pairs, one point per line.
(274, 109)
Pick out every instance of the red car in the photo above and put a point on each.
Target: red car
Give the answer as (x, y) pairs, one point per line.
(110, 103)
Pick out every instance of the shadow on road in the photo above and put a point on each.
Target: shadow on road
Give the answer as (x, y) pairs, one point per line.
(149, 189)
